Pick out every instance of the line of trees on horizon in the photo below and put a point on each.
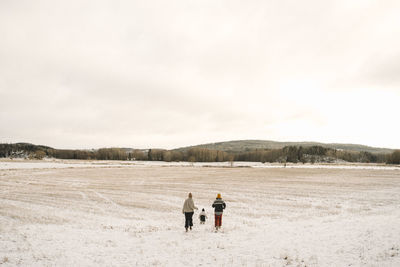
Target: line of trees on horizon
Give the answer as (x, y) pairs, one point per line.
(294, 154)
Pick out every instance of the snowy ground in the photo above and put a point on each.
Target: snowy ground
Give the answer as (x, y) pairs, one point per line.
(10, 164)
(79, 213)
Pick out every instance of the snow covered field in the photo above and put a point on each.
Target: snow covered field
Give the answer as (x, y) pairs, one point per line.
(80, 213)
(7, 164)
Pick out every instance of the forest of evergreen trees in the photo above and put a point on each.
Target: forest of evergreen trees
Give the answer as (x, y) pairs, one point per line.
(295, 154)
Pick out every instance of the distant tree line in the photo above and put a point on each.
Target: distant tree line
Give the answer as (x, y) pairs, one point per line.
(295, 154)
(310, 154)
(22, 150)
(394, 158)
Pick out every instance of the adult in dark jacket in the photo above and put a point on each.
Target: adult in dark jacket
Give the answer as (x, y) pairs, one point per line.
(219, 206)
(188, 210)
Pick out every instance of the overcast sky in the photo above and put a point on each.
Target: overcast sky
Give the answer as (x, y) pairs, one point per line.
(90, 74)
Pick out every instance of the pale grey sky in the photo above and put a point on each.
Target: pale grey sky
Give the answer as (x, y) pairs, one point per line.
(90, 74)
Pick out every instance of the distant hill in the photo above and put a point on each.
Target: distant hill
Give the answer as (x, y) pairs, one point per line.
(249, 145)
(24, 149)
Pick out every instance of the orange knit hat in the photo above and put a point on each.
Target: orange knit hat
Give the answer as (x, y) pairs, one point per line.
(219, 196)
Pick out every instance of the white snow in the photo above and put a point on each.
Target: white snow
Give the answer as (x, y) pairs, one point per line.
(81, 213)
(6, 164)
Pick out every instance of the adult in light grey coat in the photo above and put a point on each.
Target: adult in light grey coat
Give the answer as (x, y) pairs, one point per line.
(188, 210)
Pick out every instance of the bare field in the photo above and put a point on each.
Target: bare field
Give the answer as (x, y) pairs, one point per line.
(127, 216)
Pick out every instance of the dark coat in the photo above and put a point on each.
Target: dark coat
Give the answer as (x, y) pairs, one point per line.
(219, 206)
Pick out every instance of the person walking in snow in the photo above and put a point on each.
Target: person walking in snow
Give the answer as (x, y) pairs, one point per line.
(219, 206)
(188, 210)
(203, 217)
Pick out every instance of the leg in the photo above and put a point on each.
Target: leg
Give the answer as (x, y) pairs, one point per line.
(218, 221)
(191, 219)
(186, 220)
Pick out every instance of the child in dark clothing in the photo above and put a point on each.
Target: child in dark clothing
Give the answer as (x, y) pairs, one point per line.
(203, 217)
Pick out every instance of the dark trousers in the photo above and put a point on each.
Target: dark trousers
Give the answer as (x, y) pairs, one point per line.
(189, 219)
(218, 220)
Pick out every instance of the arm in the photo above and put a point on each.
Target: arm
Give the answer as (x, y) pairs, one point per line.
(223, 205)
(192, 206)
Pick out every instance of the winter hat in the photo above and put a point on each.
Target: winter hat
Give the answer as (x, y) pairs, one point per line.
(202, 210)
(190, 195)
(219, 196)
